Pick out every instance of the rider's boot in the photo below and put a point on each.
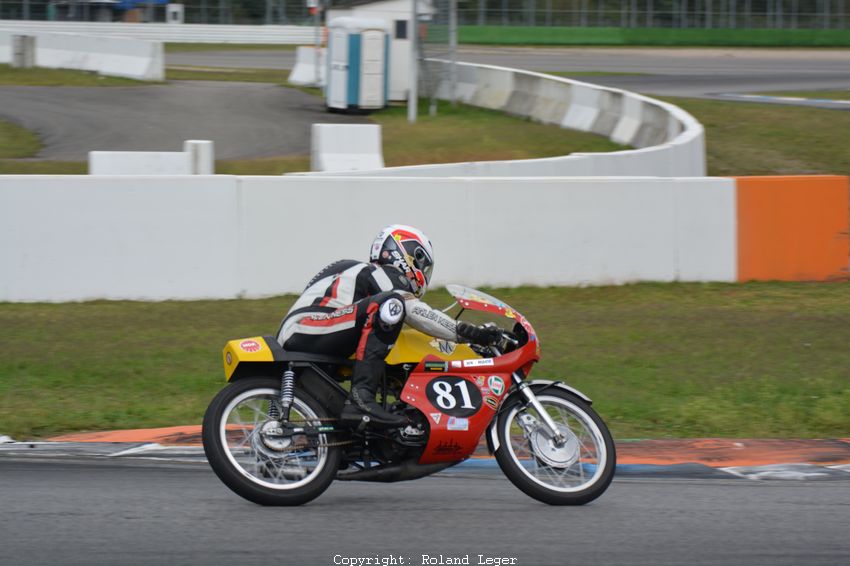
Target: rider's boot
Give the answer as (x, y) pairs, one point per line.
(361, 401)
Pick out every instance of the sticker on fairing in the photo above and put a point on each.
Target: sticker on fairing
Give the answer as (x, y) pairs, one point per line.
(453, 396)
(477, 363)
(443, 346)
(436, 417)
(250, 345)
(457, 423)
(496, 384)
(435, 366)
(492, 402)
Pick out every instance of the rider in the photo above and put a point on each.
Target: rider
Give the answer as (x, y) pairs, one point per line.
(351, 307)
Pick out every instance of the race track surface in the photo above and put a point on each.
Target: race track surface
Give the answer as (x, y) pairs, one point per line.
(243, 119)
(671, 72)
(95, 512)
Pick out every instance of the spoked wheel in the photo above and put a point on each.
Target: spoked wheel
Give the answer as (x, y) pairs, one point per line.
(572, 472)
(258, 457)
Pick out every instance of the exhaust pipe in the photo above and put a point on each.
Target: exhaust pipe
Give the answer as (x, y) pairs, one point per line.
(406, 470)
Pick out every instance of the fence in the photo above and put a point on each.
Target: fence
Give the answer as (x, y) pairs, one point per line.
(709, 14)
(712, 14)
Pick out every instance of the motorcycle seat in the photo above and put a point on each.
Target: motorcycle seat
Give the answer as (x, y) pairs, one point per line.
(314, 358)
(280, 355)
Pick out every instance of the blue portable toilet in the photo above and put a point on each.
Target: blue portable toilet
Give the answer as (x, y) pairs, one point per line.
(358, 64)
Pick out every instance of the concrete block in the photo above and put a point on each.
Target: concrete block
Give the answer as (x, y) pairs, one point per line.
(552, 102)
(304, 71)
(346, 147)
(610, 109)
(494, 87)
(630, 121)
(524, 95)
(584, 108)
(201, 156)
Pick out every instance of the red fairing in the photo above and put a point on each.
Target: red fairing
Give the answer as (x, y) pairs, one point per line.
(458, 403)
(459, 399)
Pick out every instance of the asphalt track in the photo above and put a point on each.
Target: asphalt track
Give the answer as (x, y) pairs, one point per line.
(669, 72)
(247, 120)
(243, 119)
(94, 512)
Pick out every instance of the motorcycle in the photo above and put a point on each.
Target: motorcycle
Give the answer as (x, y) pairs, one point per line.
(273, 435)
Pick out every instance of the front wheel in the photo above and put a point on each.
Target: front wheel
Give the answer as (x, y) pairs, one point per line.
(573, 472)
(254, 455)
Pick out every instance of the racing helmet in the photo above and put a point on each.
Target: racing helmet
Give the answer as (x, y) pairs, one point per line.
(407, 249)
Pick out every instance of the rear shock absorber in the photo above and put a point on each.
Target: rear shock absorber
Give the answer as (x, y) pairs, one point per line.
(287, 391)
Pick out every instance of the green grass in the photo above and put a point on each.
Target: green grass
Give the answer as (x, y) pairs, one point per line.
(17, 142)
(769, 139)
(467, 133)
(263, 165)
(527, 35)
(275, 76)
(194, 47)
(60, 77)
(823, 94)
(659, 360)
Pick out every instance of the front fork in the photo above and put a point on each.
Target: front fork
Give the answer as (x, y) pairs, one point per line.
(526, 391)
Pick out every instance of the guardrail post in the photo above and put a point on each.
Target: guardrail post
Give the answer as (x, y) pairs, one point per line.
(23, 51)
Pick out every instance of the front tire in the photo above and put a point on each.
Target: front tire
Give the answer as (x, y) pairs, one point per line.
(268, 470)
(574, 473)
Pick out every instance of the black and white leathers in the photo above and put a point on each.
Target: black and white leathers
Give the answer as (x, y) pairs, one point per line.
(347, 282)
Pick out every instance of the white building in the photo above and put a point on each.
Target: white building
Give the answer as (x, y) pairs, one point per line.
(398, 13)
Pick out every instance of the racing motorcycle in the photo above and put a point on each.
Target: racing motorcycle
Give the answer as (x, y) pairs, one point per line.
(273, 434)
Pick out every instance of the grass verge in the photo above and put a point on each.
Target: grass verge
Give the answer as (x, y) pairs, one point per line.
(275, 76)
(17, 142)
(467, 133)
(659, 360)
(184, 47)
(527, 35)
(60, 77)
(769, 139)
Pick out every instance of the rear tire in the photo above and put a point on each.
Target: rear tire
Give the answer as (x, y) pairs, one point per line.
(265, 470)
(572, 474)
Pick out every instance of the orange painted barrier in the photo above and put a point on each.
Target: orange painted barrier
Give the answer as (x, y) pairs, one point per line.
(793, 228)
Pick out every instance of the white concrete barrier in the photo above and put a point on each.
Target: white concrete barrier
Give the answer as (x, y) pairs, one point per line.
(186, 33)
(669, 142)
(68, 238)
(304, 71)
(113, 56)
(197, 158)
(345, 147)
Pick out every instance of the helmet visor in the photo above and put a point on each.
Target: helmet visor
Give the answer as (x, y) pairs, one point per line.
(421, 260)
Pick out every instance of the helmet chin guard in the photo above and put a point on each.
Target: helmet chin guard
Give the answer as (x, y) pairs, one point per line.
(407, 249)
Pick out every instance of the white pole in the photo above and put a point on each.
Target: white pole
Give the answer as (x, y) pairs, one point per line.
(412, 91)
(318, 19)
(453, 49)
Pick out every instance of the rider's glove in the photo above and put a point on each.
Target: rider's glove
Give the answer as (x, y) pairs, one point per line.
(483, 335)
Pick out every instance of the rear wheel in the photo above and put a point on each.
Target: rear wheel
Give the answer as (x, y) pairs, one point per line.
(257, 457)
(572, 472)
